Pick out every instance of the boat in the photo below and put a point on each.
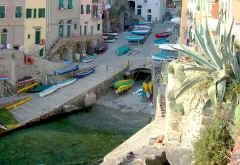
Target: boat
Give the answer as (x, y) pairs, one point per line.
(66, 82)
(49, 91)
(150, 87)
(67, 62)
(112, 35)
(157, 42)
(144, 23)
(123, 88)
(122, 50)
(164, 55)
(109, 40)
(24, 80)
(142, 27)
(140, 32)
(135, 38)
(4, 77)
(39, 88)
(146, 90)
(125, 83)
(19, 103)
(101, 49)
(118, 82)
(158, 59)
(66, 70)
(84, 74)
(88, 59)
(162, 35)
(28, 87)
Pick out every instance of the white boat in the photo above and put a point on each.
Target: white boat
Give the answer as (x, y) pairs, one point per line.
(49, 91)
(66, 82)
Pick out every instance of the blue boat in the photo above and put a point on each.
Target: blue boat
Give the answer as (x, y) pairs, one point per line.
(140, 32)
(142, 27)
(144, 23)
(66, 82)
(164, 55)
(122, 50)
(81, 75)
(66, 70)
(157, 42)
(88, 59)
(135, 38)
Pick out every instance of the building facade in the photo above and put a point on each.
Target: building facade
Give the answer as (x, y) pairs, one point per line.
(150, 10)
(47, 21)
(12, 22)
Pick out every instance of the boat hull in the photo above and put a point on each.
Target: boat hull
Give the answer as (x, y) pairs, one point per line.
(66, 70)
(81, 75)
(19, 103)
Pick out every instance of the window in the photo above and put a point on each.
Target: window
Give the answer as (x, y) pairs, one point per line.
(28, 36)
(88, 9)
(70, 4)
(82, 9)
(75, 26)
(149, 10)
(139, 10)
(98, 27)
(35, 13)
(61, 5)
(28, 13)
(41, 12)
(18, 12)
(2, 12)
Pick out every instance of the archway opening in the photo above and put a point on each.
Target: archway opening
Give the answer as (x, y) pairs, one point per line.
(141, 74)
(162, 160)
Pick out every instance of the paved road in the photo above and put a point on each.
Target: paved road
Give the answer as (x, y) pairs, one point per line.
(108, 65)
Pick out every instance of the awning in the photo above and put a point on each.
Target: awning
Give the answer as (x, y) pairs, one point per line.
(172, 47)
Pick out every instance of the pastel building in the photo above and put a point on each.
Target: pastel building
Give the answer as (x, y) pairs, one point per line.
(150, 10)
(47, 21)
(12, 22)
(91, 17)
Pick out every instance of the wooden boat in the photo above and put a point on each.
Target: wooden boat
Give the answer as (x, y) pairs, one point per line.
(157, 42)
(162, 35)
(164, 55)
(4, 77)
(66, 82)
(123, 88)
(126, 83)
(111, 35)
(145, 23)
(146, 90)
(135, 38)
(150, 87)
(28, 87)
(25, 80)
(101, 49)
(66, 70)
(122, 50)
(81, 75)
(142, 27)
(159, 59)
(109, 40)
(19, 103)
(48, 91)
(39, 88)
(140, 32)
(118, 82)
(88, 59)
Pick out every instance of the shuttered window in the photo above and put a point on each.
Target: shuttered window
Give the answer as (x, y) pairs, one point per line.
(61, 4)
(34, 13)
(41, 12)
(2, 12)
(28, 13)
(88, 9)
(70, 4)
(18, 12)
(82, 9)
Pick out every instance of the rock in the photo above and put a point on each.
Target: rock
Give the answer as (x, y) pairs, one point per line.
(90, 99)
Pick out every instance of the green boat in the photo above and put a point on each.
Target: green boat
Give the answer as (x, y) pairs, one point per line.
(122, 50)
(39, 88)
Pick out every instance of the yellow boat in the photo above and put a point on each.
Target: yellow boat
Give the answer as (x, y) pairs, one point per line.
(145, 86)
(123, 88)
(150, 87)
(121, 82)
(19, 103)
(28, 87)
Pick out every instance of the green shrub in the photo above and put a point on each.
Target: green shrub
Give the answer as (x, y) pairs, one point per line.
(215, 143)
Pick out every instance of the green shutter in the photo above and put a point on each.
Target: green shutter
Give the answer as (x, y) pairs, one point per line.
(41, 12)
(18, 12)
(28, 13)
(34, 13)
(61, 4)
(70, 4)
(2, 12)
(82, 9)
(88, 9)
(37, 36)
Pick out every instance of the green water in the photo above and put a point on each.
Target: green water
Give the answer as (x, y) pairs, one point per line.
(79, 137)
